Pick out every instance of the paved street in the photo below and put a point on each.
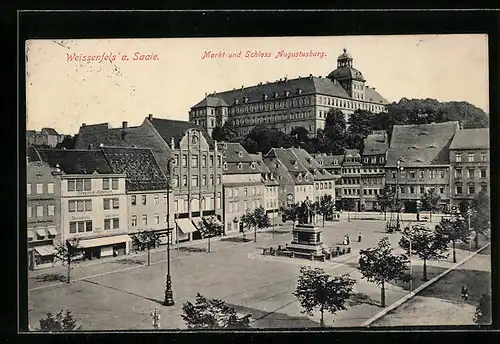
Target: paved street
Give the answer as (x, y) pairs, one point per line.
(121, 293)
(441, 303)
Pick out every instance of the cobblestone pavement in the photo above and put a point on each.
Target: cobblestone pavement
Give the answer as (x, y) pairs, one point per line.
(120, 294)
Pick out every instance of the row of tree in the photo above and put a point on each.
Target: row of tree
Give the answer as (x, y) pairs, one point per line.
(337, 136)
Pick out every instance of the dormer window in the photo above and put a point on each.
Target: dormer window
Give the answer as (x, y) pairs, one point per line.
(236, 101)
(306, 177)
(275, 94)
(194, 139)
(240, 166)
(240, 154)
(252, 166)
(299, 178)
(287, 93)
(299, 91)
(224, 166)
(335, 162)
(245, 99)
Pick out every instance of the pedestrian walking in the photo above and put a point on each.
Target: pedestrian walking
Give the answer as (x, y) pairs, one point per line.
(347, 238)
(465, 293)
(418, 216)
(359, 237)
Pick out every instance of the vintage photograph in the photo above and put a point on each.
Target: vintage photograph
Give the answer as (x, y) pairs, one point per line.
(257, 183)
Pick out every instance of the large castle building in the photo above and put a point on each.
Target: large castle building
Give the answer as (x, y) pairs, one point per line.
(289, 103)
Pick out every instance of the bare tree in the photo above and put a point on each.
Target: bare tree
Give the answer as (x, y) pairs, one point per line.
(66, 252)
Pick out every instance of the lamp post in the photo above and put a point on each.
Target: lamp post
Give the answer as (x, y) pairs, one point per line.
(398, 171)
(169, 295)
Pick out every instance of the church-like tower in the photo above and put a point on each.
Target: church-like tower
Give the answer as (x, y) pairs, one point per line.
(349, 77)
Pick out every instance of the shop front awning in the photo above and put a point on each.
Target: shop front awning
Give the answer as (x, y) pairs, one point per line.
(46, 250)
(41, 232)
(198, 223)
(104, 241)
(212, 218)
(186, 226)
(31, 235)
(52, 230)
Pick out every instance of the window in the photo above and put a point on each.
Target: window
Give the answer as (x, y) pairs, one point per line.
(133, 200)
(50, 188)
(471, 189)
(441, 189)
(88, 205)
(218, 200)
(144, 219)
(458, 157)
(403, 189)
(134, 220)
(114, 183)
(39, 189)
(211, 179)
(144, 200)
(80, 226)
(218, 180)
(116, 203)
(39, 211)
(184, 160)
(184, 180)
(483, 173)
(412, 189)
(28, 189)
(470, 173)
(219, 160)
(484, 157)
(412, 174)
(107, 224)
(165, 198)
(203, 161)
(72, 227)
(30, 211)
(165, 217)
(87, 186)
(441, 173)
(432, 174)
(194, 181)
(176, 159)
(458, 173)
(365, 191)
(157, 199)
(157, 218)
(471, 157)
(240, 166)
(484, 187)
(194, 161)
(458, 189)
(80, 206)
(211, 161)
(176, 181)
(394, 174)
(421, 174)
(88, 226)
(105, 184)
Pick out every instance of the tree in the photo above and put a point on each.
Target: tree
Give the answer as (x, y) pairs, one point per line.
(480, 218)
(317, 290)
(212, 228)
(426, 244)
(291, 213)
(482, 315)
(325, 206)
(379, 265)
(60, 322)
(66, 252)
(333, 139)
(430, 201)
(248, 221)
(299, 135)
(348, 204)
(226, 133)
(453, 229)
(68, 142)
(385, 199)
(261, 220)
(262, 139)
(212, 314)
(360, 126)
(146, 240)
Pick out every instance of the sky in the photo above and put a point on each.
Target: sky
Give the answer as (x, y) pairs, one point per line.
(63, 91)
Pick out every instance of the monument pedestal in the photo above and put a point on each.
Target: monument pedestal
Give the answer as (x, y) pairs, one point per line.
(307, 238)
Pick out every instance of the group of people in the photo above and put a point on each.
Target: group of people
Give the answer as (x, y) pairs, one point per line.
(347, 240)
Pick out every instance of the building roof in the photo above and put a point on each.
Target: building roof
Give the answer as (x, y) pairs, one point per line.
(421, 144)
(211, 101)
(306, 159)
(373, 96)
(307, 85)
(169, 128)
(50, 131)
(376, 143)
(346, 73)
(76, 161)
(234, 152)
(471, 139)
(291, 162)
(322, 174)
(140, 166)
(327, 161)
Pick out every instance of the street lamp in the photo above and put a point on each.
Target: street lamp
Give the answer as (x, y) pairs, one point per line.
(400, 168)
(169, 295)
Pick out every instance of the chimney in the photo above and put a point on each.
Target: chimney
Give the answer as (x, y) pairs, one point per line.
(84, 124)
(150, 116)
(172, 143)
(124, 124)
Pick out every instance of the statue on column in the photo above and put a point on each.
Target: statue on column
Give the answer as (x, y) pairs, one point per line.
(306, 212)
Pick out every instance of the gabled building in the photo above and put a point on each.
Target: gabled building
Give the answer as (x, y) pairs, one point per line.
(271, 199)
(149, 198)
(333, 164)
(43, 194)
(295, 180)
(187, 155)
(86, 182)
(289, 103)
(423, 150)
(243, 187)
(470, 164)
(373, 172)
(352, 196)
(45, 137)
